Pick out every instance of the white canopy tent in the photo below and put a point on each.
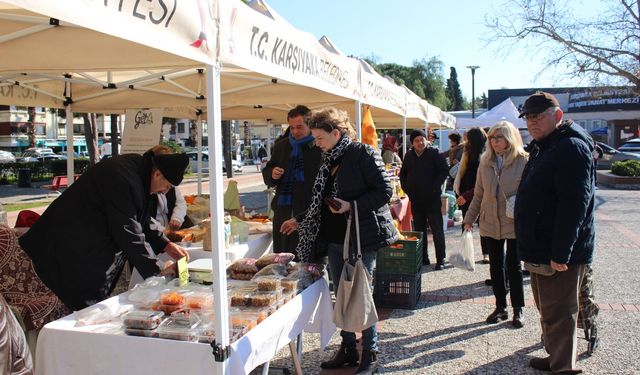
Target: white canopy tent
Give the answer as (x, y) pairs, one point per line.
(505, 111)
(109, 56)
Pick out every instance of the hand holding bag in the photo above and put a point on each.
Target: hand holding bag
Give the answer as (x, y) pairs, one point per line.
(354, 310)
(464, 256)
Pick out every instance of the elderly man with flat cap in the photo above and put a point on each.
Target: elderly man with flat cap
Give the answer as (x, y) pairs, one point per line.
(79, 246)
(554, 224)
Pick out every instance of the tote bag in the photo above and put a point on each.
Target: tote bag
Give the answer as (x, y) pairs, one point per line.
(354, 310)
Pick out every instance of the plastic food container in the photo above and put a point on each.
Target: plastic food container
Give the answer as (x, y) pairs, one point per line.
(239, 298)
(199, 300)
(177, 329)
(242, 319)
(140, 332)
(262, 299)
(167, 309)
(268, 283)
(171, 297)
(143, 319)
(260, 313)
(289, 284)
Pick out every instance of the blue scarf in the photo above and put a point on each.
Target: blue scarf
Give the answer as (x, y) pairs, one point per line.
(294, 171)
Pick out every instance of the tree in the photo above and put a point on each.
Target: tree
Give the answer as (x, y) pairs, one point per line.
(424, 78)
(31, 126)
(482, 101)
(604, 49)
(91, 136)
(454, 94)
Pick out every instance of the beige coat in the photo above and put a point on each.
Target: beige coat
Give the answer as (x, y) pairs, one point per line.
(489, 202)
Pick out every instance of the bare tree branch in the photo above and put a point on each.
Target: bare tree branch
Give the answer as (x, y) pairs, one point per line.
(603, 48)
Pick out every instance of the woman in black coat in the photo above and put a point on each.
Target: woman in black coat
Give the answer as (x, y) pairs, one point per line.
(350, 172)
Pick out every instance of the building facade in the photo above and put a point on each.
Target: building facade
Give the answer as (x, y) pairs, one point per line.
(611, 114)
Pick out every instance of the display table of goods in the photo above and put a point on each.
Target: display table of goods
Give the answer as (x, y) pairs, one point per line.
(161, 327)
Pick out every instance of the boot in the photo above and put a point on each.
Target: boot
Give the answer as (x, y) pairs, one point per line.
(348, 355)
(368, 363)
(518, 318)
(500, 313)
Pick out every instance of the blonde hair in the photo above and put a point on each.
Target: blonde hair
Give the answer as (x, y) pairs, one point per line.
(330, 118)
(514, 143)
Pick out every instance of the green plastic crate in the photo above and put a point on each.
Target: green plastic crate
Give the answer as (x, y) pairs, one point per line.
(402, 257)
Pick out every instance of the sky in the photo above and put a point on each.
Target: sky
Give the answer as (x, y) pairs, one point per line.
(403, 31)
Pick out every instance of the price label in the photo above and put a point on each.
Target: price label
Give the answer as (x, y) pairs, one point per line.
(183, 271)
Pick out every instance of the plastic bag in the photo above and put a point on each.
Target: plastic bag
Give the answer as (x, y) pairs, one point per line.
(463, 256)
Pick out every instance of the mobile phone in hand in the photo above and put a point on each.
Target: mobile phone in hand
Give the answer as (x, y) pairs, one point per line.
(333, 203)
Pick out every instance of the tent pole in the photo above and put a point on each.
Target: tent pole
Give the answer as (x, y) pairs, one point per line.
(358, 121)
(69, 126)
(404, 135)
(199, 153)
(269, 134)
(217, 209)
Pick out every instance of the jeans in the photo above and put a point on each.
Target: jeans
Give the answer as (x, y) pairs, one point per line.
(336, 262)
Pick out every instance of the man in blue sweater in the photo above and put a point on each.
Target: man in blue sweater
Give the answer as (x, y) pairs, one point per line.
(554, 222)
(423, 172)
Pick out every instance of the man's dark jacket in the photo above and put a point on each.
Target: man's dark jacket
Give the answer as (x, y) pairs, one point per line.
(301, 196)
(80, 243)
(362, 177)
(422, 177)
(555, 202)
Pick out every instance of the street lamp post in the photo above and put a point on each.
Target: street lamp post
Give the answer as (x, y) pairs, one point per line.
(473, 89)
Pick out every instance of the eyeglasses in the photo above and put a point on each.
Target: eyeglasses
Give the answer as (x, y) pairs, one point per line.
(535, 116)
(496, 137)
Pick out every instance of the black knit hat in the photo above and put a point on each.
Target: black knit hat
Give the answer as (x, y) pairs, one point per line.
(417, 133)
(538, 103)
(172, 166)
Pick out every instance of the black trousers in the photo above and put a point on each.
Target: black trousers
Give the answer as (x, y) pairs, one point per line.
(426, 214)
(506, 273)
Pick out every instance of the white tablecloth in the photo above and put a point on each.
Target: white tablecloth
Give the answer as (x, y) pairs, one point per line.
(103, 349)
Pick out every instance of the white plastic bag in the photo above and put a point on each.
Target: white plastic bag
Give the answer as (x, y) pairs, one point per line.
(463, 256)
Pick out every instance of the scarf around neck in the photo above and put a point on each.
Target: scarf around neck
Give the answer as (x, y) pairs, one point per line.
(309, 227)
(295, 169)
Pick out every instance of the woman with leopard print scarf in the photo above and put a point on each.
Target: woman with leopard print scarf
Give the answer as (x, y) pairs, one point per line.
(350, 171)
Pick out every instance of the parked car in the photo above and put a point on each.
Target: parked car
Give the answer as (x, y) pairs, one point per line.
(193, 155)
(610, 155)
(632, 145)
(7, 157)
(40, 154)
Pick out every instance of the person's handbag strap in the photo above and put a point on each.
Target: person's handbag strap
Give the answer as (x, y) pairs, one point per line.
(500, 186)
(347, 235)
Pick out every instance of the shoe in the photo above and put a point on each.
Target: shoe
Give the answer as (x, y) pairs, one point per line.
(426, 261)
(344, 355)
(540, 364)
(592, 339)
(518, 318)
(439, 266)
(368, 363)
(569, 372)
(497, 315)
(488, 282)
(485, 259)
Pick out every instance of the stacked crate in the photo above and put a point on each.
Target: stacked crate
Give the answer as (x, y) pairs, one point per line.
(398, 273)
